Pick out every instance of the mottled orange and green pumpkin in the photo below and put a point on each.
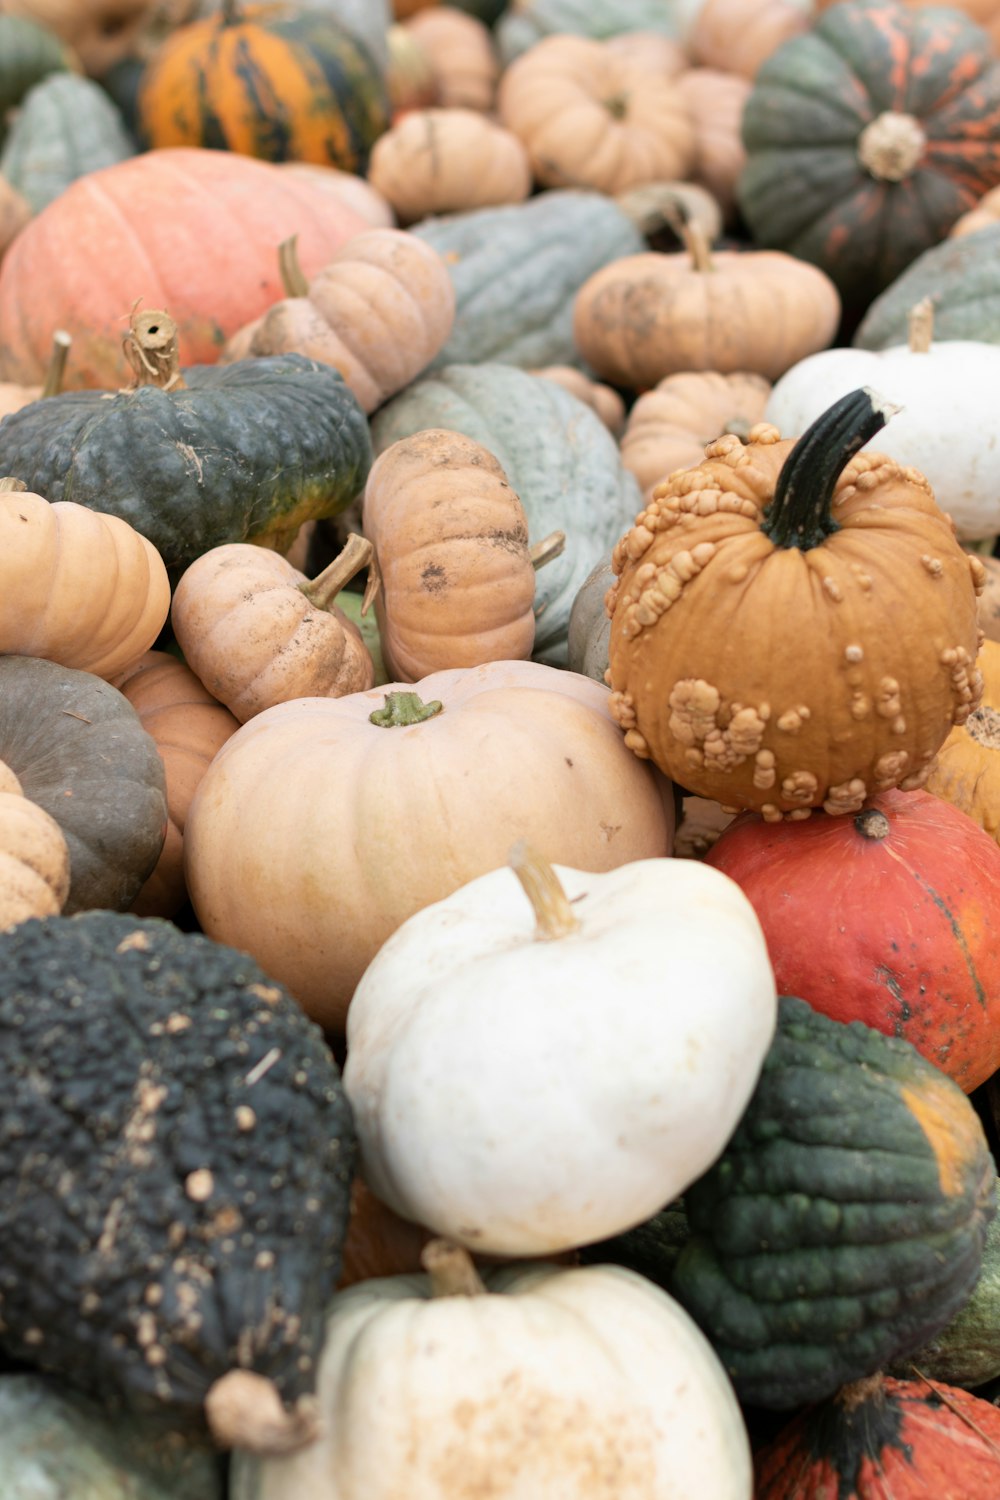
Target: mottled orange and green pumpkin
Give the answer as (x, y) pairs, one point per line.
(270, 81)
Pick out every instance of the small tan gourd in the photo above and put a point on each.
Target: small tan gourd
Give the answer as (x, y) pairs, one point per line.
(34, 857)
(438, 161)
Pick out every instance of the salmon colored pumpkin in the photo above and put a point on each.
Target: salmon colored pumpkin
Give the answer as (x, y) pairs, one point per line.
(438, 161)
(346, 188)
(34, 857)
(461, 54)
(737, 36)
(967, 770)
(671, 425)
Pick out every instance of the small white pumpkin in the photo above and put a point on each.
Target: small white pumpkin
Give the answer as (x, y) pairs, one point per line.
(946, 428)
(569, 1383)
(524, 1090)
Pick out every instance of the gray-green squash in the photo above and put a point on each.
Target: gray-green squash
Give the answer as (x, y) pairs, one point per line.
(590, 624)
(558, 456)
(28, 53)
(961, 276)
(66, 126)
(517, 270)
(531, 20)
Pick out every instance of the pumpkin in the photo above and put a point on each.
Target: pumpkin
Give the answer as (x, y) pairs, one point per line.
(913, 1439)
(368, 20)
(446, 160)
(275, 83)
(965, 772)
(80, 753)
(960, 277)
(99, 33)
(188, 726)
(517, 269)
(410, 78)
(257, 632)
(984, 12)
(670, 426)
(28, 53)
(558, 456)
(149, 220)
(647, 316)
(650, 49)
(589, 626)
(989, 599)
(944, 427)
(66, 126)
(716, 102)
(844, 1223)
(983, 216)
(606, 402)
(887, 120)
(530, 21)
(855, 679)
(193, 461)
(663, 212)
(461, 55)
(540, 1381)
(589, 118)
(737, 36)
(15, 211)
(344, 187)
(34, 857)
(510, 749)
(378, 312)
(77, 587)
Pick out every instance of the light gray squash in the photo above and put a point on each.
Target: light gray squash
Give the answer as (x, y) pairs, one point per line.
(523, 26)
(557, 454)
(589, 624)
(66, 126)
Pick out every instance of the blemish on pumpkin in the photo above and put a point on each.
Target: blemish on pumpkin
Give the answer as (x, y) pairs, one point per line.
(952, 1130)
(433, 578)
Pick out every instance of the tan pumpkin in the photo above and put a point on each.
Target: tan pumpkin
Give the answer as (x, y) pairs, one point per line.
(77, 587)
(34, 857)
(451, 544)
(461, 54)
(607, 403)
(647, 316)
(669, 427)
(189, 727)
(985, 214)
(989, 599)
(13, 396)
(346, 188)
(378, 312)
(15, 211)
(100, 32)
(967, 770)
(737, 36)
(410, 78)
(591, 118)
(650, 49)
(256, 632)
(438, 161)
(716, 102)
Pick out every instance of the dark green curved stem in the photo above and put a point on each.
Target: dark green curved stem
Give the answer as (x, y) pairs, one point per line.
(402, 709)
(800, 514)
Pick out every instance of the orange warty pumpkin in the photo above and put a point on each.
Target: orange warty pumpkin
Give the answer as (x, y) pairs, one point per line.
(967, 771)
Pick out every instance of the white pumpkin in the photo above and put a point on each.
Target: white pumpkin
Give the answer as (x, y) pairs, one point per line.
(946, 428)
(525, 1090)
(569, 1383)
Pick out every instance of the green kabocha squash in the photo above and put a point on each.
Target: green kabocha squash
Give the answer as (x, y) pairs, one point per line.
(961, 276)
(528, 21)
(173, 1201)
(844, 1224)
(28, 53)
(516, 272)
(65, 127)
(233, 453)
(58, 1445)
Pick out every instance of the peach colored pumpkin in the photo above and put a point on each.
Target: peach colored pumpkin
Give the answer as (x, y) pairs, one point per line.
(607, 403)
(353, 192)
(189, 726)
(34, 857)
(716, 102)
(650, 49)
(451, 544)
(77, 587)
(340, 826)
(257, 632)
(985, 214)
(15, 211)
(591, 118)
(438, 161)
(669, 427)
(461, 55)
(737, 36)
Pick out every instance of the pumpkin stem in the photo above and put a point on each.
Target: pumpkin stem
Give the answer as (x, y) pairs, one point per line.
(150, 347)
(61, 341)
(244, 1410)
(451, 1270)
(891, 145)
(696, 243)
(549, 548)
(920, 326)
(12, 486)
(868, 1388)
(404, 709)
(799, 514)
(293, 278)
(543, 888)
(872, 824)
(324, 588)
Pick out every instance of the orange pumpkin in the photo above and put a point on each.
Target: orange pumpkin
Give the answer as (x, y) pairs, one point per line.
(669, 427)
(652, 50)
(346, 188)
(967, 770)
(34, 857)
(437, 161)
(462, 57)
(989, 599)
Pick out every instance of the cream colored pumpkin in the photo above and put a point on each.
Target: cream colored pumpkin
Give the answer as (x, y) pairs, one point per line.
(540, 1068)
(438, 161)
(580, 1384)
(461, 55)
(34, 857)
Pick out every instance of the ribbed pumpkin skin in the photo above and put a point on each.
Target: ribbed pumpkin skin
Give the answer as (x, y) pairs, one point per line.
(904, 1439)
(967, 772)
(844, 1223)
(278, 83)
(66, 126)
(804, 124)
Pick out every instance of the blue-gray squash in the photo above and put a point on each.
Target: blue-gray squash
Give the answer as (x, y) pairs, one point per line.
(529, 21)
(66, 126)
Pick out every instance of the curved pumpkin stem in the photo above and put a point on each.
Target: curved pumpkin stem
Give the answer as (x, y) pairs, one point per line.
(548, 549)
(800, 513)
(554, 916)
(451, 1270)
(403, 709)
(324, 588)
(12, 486)
(293, 278)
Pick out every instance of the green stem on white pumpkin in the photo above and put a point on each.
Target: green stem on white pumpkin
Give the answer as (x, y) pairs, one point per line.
(293, 278)
(800, 513)
(61, 342)
(403, 709)
(549, 548)
(920, 326)
(10, 486)
(150, 346)
(324, 588)
(553, 914)
(451, 1270)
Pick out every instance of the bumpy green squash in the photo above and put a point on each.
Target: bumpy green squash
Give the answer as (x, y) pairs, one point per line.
(962, 276)
(844, 1224)
(558, 455)
(28, 53)
(65, 127)
(531, 20)
(517, 270)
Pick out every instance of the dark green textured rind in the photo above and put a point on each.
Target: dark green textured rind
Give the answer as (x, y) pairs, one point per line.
(131, 1057)
(66, 126)
(516, 272)
(961, 276)
(823, 1244)
(248, 450)
(79, 750)
(652, 1249)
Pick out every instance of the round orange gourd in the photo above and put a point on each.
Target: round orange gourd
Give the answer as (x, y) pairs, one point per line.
(967, 770)
(794, 624)
(737, 36)
(461, 55)
(669, 427)
(591, 118)
(256, 632)
(437, 161)
(34, 857)
(451, 542)
(76, 587)
(188, 727)
(716, 101)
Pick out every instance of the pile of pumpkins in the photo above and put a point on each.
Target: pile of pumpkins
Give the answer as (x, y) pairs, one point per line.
(496, 533)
